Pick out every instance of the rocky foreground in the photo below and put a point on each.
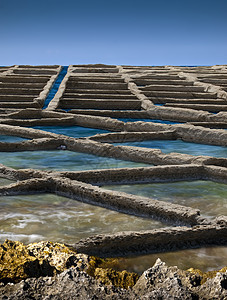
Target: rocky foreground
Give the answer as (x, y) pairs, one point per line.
(48, 270)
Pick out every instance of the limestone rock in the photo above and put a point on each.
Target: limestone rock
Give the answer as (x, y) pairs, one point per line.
(206, 275)
(72, 275)
(70, 284)
(17, 263)
(48, 259)
(215, 288)
(58, 255)
(121, 279)
(163, 282)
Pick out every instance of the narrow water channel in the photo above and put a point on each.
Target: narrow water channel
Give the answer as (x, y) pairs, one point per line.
(55, 86)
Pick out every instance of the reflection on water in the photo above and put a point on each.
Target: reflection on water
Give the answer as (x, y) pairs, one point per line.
(205, 259)
(72, 131)
(11, 139)
(168, 146)
(30, 218)
(62, 160)
(148, 120)
(210, 197)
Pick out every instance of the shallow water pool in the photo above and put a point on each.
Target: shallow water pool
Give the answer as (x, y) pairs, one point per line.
(210, 197)
(32, 218)
(179, 146)
(72, 131)
(62, 160)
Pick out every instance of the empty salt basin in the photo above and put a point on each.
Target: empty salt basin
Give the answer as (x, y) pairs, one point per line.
(72, 131)
(179, 146)
(62, 160)
(11, 139)
(205, 259)
(32, 218)
(210, 197)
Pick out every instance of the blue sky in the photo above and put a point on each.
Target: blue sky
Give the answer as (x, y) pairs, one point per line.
(113, 32)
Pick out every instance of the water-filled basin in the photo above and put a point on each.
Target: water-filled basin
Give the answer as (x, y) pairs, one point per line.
(62, 160)
(179, 146)
(210, 197)
(72, 131)
(32, 218)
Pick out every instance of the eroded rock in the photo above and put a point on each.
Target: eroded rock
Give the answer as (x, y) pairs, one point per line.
(215, 288)
(70, 284)
(18, 263)
(37, 259)
(78, 276)
(163, 282)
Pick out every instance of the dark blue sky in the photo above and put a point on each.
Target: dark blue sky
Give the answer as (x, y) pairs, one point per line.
(113, 32)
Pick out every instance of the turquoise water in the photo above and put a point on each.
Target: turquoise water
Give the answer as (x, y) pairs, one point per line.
(72, 131)
(168, 146)
(11, 139)
(62, 160)
(32, 218)
(210, 197)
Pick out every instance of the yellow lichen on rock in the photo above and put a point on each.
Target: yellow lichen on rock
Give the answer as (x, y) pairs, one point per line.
(101, 269)
(206, 275)
(121, 279)
(17, 263)
(104, 263)
(112, 263)
(93, 263)
(58, 255)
